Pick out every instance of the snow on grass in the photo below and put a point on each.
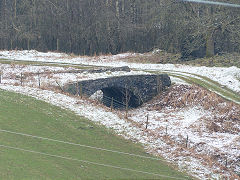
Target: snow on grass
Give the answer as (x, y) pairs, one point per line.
(31, 55)
(225, 76)
(192, 165)
(49, 75)
(75, 104)
(177, 80)
(178, 124)
(191, 123)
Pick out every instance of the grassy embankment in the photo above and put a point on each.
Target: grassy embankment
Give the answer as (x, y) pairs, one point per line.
(210, 85)
(24, 114)
(205, 83)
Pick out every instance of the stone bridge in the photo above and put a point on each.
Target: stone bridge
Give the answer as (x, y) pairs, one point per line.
(132, 90)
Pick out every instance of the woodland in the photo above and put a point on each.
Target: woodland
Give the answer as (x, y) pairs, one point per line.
(92, 27)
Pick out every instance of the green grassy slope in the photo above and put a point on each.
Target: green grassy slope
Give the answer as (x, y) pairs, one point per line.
(23, 114)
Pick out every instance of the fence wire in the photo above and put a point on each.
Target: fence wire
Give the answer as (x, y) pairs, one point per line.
(116, 104)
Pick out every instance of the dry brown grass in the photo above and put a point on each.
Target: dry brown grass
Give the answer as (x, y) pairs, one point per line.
(161, 57)
(226, 113)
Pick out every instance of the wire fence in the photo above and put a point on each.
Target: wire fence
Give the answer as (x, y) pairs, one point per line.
(112, 102)
(90, 162)
(109, 101)
(106, 100)
(81, 145)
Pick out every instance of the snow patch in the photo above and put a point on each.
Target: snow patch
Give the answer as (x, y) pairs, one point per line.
(225, 76)
(177, 125)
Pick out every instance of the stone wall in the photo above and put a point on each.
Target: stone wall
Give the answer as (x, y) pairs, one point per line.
(141, 87)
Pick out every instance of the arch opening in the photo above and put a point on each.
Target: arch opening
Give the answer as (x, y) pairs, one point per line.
(116, 97)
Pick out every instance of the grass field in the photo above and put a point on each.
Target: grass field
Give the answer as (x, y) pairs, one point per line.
(26, 157)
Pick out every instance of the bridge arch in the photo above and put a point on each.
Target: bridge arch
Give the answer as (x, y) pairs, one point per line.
(139, 88)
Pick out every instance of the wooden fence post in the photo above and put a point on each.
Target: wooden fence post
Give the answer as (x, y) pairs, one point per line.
(21, 79)
(39, 80)
(147, 121)
(112, 104)
(126, 93)
(158, 90)
(77, 89)
(187, 142)
(59, 86)
(81, 91)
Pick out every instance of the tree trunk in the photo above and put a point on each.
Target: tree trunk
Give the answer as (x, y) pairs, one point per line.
(117, 9)
(123, 6)
(209, 44)
(5, 14)
(28, 44)
(67, 5)
(57, 45)
(15, 8)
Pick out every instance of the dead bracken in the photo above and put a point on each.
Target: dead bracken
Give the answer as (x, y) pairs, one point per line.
(211, 133)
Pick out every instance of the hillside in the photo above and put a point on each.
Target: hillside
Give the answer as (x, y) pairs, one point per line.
(42, 141)
(192, 124)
